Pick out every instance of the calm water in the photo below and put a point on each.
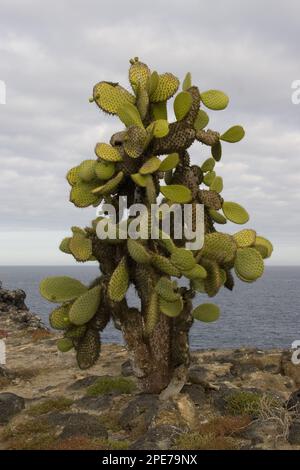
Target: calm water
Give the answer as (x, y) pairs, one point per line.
(265, 314)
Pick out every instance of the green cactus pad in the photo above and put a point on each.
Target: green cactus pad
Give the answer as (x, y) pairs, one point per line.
(64, 344)
(249, 264)
(183, 259)
(81, 194)
(119, 281)
(264, 246)
(165, 289)
(217, 217)
(104, 170)
(182, 105)
(234, 134)
(206, 313)
(159, 110)
(167, 86)
(109, 96)
(187, 82)
(216, 151)
(245, 238)
(110, 186)
(166, 242)
(197, 272)
(152, 314)
(61, 289)
(198, 285)
(170, 162)
(86, 170)
(213, 281)
(171, 309)
(217, 184)
(164, 265)
(150, 166)
(235, 213)
(88, 349)
(176, 193)
(220, 247)
(161, 128)
(75, 331)
(85, 306)
(107, 152)
(150, 190)
(129, 115)
(81, 247)
(208, 165)
(140, 180)
(214, 99)
(73, 176)
(201, 120)
(209, 177)
(138, 252)
(59, 317)
(136, 141)
(65, 245)
(153, 82)
(139, 74)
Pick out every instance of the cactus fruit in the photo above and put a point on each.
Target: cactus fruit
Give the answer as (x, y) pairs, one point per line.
(85, 307)
(176, 193)
(60, 289)
(245, 238)
(171, 309)
(214, 99)
(166, 87)
(110, 96)
(249, 264)
(59, 317)
(138, 252)
(164, 265)
(88, 349)
(206, 312)
(64, 344)
(107, 152)
(183, 259)
(165, 289)
(234, 134)
(118, 283)
(235, 213)
(81, 247)
(132, 167)
(152, 314)
(170, 162)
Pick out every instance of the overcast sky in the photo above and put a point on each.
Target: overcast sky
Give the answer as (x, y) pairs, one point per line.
(53, 52)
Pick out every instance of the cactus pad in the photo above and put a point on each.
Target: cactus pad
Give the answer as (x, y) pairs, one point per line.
(208, 165)
(81, 194)
(187, 82)
(86, 170)
(119, 281)
(182, 105)
(110, 186)
(206, 313)
(85, 307)
(81, 247)
(234, 134)
(249, 264)
(201, 120)
(171, 309)
(152, 314)
(138, 252)
(73, 176)
(107, 152)
(245, 238)
(165, 289)
(129, 115)
(235, 213)
(167, 86)
(217, 184)
(170, 162)
(110, 96)
(150, 166)
(214, 99)
(88, 349)
(104, 170)
(183, 259)
(65, 245)
(217, 217)
(176, 193)
(136, 141)
(61, 288)
(139, 74)
(64, 344)
(220, 247)
(164, 265)
(59, 318)
(264, 246)
(197, 272)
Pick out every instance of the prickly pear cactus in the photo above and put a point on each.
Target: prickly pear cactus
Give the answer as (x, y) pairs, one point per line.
(146, 158)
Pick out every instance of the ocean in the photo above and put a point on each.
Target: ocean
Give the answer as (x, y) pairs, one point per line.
(265, 314)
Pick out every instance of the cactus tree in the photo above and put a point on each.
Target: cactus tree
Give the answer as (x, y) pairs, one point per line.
(149, 157)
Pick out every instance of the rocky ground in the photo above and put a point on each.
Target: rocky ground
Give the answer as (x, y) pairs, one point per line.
(234, 399)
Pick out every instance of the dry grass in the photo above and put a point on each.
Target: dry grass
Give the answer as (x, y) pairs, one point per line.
(53, 404)
(111, 384)
(85, 443)
(196, 441)
(31, 434)
(40, 335)
(225, 425)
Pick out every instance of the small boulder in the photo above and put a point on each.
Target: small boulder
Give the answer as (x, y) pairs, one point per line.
(10, 405)
(82, 424)
(139, 412)
(294, 433)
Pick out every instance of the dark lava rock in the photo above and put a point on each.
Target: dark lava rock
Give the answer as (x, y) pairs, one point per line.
(140, 410)
(294, 432)
(10, 405)
(196, 393)
(94, 403)
(126, 368)
(83, 383)
(75, 424)
(158, 438)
